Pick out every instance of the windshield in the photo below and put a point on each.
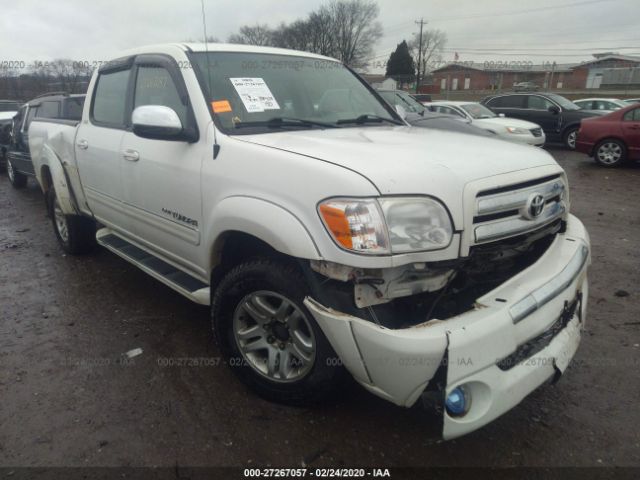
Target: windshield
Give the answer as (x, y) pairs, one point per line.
(563, 102)
(478, 111)
(413, 104)
(254, 89)
(9, 107)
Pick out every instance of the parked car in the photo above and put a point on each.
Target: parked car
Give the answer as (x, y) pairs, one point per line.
(559, 118)
(396, 98)
(8, 109)
(526, 87)
(440, 121)
(423, 98)
(419, 116)
(424, 262)
(511, 129)
(60, 106)
(613, 139)
(632, 100)
(604, 104)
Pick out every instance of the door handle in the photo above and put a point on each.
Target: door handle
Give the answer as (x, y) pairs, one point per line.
(131, 155)
(83, 144)
(634, 127)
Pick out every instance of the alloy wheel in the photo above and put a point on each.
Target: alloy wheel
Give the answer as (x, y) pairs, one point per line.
(10, 173)
(609, 153)
(61, 222)
(274, 336)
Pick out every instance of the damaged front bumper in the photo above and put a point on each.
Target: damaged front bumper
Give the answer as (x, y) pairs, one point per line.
(518, 336)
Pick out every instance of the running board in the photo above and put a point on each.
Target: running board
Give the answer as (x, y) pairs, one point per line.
(181, 282)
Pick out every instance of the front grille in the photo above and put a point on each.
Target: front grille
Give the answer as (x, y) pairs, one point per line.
(505, 212)
(536, 132)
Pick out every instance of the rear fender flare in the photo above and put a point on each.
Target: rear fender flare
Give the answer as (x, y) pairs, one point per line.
(59, 181)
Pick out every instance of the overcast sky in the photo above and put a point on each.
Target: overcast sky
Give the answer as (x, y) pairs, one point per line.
(488, 30)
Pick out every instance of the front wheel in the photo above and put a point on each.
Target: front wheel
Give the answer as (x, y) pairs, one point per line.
(17, 179)
(570, 137)
(76, 234)
(610, 153)
(269, 337)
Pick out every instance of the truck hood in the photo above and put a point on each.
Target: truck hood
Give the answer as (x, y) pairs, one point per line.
(409, 160)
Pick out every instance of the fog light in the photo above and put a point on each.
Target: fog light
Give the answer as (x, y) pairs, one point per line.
(458, 402)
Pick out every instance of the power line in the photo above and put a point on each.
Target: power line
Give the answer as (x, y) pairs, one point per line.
(518, 12)
(579, 50)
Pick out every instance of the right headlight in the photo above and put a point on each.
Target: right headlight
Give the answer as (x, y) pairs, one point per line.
(416, 223)
(387, 225)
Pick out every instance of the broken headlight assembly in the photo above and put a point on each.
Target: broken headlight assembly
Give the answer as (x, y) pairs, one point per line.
(388, 224)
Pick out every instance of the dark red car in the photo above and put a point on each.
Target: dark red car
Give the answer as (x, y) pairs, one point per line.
(612, 139)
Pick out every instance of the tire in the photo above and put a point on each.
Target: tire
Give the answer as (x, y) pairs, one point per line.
(251, 342)
(610, 153)
(17, 179)
(569, 138)
(76, 234)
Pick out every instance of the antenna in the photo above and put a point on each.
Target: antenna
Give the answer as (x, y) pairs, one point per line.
(216, 147)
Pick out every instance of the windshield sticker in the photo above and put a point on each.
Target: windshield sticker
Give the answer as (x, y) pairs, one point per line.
(255, 94)
(221, 106)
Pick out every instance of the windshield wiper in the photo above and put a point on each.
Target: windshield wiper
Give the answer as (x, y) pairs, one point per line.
(281, 122)
(369, 118)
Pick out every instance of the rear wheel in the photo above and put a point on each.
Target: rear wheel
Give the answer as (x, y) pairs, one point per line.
(269, 337)
(17, 179)
(76, 235)
(610, 153)
(570, 138)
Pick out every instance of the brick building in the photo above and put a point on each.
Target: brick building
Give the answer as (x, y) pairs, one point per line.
(497, 76)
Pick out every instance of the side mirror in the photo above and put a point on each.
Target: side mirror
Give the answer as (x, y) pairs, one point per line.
(401, 111)
(554, 109)
(501, 115)
(157, 122)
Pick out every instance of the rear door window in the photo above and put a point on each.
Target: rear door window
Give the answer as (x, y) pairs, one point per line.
(110, 98)
(508, 101)
(539, 103)
(49, 109)
(449, 111)
(73, 108)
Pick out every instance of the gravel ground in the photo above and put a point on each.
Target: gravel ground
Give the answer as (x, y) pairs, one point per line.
(68, 398)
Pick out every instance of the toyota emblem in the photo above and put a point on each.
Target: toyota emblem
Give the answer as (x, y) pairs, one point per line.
(534, 206)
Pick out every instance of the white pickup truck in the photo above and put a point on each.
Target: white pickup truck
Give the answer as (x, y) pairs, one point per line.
(325, 233)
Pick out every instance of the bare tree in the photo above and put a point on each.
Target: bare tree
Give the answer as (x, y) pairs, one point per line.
(320, 32)
(355, 30)
(345, 29)
(294, 35)
(62, 74)
(258, 34)
(433, 41)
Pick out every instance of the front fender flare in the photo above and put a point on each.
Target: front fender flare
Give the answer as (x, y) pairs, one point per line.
(265, 220)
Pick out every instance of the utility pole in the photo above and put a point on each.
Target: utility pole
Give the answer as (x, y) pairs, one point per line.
(421, 23)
